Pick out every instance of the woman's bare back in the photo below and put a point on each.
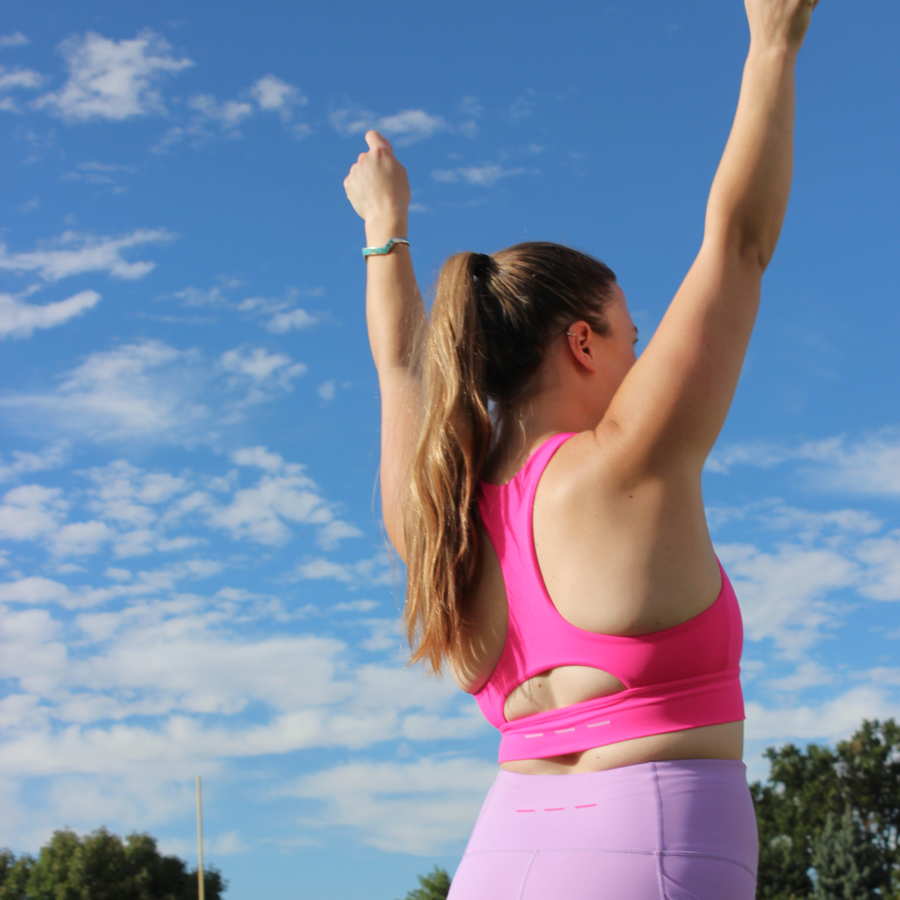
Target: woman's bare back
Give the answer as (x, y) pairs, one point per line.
(616, 559)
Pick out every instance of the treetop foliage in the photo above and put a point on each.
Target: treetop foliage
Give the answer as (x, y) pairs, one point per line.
(101, 866)
(433, 886)
(836, 812)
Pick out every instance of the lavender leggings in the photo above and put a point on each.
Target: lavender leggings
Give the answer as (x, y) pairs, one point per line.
(674, 830)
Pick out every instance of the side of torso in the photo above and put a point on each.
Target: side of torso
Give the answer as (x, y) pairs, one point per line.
(615, 560)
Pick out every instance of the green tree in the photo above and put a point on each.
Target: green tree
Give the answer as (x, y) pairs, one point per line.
(846, 862)
(14, 875)
(433, 886)
(101, 866)
(862, 774)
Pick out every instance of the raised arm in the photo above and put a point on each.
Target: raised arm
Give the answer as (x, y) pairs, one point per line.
(671, 406)
(378, 188)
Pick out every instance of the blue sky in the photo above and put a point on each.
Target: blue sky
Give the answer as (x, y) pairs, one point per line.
(193, 578)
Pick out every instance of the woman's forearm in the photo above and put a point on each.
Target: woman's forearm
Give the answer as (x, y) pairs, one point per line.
(749, 195)
(395, 313)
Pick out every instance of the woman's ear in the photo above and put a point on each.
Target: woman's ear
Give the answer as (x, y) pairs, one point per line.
(582, 345)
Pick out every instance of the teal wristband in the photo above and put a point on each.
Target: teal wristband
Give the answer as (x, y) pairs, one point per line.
(380, 251)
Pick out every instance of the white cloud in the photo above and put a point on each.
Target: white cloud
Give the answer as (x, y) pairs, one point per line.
(18, 319)
(423, 807)
(179, 660)
(867, 465)
(118, 574)
(228, 115)
(406, 127)
(80, 538)
(136, 390)
(96, 172)
(192, 296)
(483, 176)
(125, 494)
(783, 593)
(30, 651)
(274, 95)
(356, 606)
(833, 525)
(326, 390)
(376, 570)
(259, 365)
(808, 673)
(50, 458)
(34, 590)
(259, 457)
(113, 80)
(283, 322)
(284, 494)
(833, 720)
(74, 254)
(30, 512)
(261, 373)
(13, 40)
(16, 79)
(882, 557)
(267, 94)
(227, 844)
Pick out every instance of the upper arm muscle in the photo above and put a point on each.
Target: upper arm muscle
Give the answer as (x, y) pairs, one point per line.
(671, 406)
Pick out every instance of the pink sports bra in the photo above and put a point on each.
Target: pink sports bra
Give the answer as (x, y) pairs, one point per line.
(682, 677)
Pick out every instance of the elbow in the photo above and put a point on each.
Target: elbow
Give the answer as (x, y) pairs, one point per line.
(762, 255)
(755, 251)
(753, 246)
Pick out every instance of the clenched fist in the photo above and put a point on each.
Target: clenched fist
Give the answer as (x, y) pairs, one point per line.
(377, 185)
(779, 21)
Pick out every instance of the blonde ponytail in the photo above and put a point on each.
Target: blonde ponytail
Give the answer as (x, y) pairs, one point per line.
(492, 319)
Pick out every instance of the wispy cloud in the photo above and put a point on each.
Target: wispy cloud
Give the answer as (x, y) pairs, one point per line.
(210, 118)
(31, 512)
(97, 172)
(16, 39)
(471, 110)
(420, 807)
(18, 319)
(405, 127)
(293, 320)
(866, 465)
(376, 570)
(113, 80)
(284, 494)
(483, 176)
(75, 253)
(151, 391)
(26, 462)
(280, 313)
(260, 373)
(137, 390)
(327, 390)
(16, 79)
(227, 115)
(274, 95)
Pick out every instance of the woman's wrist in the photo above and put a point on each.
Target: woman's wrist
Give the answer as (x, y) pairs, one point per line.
(781, 47)
(380, 230)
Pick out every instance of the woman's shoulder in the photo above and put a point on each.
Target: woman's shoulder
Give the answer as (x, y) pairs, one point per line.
(585, 459)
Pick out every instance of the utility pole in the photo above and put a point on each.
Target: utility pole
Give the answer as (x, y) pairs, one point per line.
(199, 839)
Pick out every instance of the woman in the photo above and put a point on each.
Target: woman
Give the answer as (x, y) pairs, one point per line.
(543, 487)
